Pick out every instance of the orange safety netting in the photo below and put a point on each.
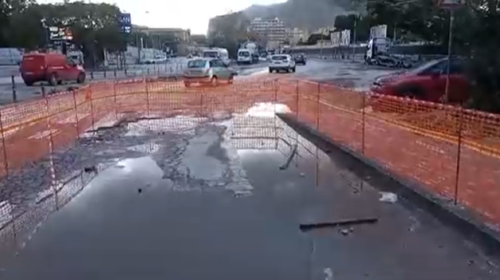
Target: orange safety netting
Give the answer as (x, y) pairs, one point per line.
(452, 152)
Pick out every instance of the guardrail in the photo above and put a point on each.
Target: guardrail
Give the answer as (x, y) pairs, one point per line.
(452, 152)
(14, 88)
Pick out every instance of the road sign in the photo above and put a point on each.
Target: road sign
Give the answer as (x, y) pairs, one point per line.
(125, 22)
(125, 19)
(379, 31)
(449, 4)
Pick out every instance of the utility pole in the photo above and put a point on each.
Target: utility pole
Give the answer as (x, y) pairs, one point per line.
(354, 38)
(450, 41)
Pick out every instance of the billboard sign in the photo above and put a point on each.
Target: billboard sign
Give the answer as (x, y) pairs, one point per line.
(60, 33)
(345, 37)
(379, 31)
(335, 38)
(125, 22)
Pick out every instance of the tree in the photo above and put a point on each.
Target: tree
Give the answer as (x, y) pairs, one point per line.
(8, 8)
(228, 31)
(199, 39)
(475, 37)
(94, 26)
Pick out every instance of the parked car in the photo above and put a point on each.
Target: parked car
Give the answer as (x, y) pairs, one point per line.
(51, 67)
(156, 59)
(207, 71)
(426, 82)
(300, 59)
(281, 62)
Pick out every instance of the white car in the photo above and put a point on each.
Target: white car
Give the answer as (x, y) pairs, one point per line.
(281, 62)
(156, 59)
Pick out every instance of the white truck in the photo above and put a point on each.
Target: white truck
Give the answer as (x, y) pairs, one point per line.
(219, 53)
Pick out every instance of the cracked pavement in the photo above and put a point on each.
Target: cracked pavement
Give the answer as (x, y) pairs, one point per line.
(189, 197)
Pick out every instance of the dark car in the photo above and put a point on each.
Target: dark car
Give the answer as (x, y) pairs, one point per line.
(300, 59)
(426, 82)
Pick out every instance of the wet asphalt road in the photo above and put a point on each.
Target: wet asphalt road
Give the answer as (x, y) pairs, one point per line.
(193, 198)
(23, 92)
(342, 73)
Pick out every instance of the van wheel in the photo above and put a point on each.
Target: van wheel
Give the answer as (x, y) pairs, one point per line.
(53, 79)
(28, 83)
(81, 78)
(214, 81)
(231, 80)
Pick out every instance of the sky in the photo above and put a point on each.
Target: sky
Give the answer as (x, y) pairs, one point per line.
(186, 14)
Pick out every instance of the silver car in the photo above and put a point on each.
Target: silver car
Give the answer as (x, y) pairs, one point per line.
(207, 71)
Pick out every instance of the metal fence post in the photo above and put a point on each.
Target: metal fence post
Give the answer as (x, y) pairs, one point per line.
(363, 120)
(147, 95)
(317, 128)
(53, 178)
(104, 73)
(5, 158)
(201, 104)
(114, 73)
(77, 127)
(297, 99)
(459, 151)
(115, 105)
(14, 94)
(317, 106)
(275, 114)
(91, 107)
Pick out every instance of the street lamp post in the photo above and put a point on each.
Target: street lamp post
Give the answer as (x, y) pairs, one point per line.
(450, 42)
(45, 32)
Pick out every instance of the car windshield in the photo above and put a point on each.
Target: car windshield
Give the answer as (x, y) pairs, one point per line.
(198, 63)
(424, 66)
(244, 54)
(279, 57)
(212, 54)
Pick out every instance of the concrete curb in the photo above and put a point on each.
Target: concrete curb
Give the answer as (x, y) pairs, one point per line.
(464, 221)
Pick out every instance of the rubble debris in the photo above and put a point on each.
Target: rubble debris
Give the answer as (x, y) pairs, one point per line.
(344, 231)
(289, 158)
(90, 169)
(388, 197)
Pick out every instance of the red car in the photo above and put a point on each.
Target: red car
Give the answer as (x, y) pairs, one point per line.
(51, 67)
(426, 82)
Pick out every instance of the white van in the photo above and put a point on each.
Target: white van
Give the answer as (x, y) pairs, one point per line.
(245, 56)
(219, 53)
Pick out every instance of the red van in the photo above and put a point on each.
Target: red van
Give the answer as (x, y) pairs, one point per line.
(51, 67)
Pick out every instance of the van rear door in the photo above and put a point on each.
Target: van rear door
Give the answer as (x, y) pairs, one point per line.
(33, 65)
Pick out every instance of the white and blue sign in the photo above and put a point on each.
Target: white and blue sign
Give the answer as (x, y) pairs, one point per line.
(125, 22)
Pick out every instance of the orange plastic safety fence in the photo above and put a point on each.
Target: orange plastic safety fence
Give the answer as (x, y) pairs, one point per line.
(453, 152)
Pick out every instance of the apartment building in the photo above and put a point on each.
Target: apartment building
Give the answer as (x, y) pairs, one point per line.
(295, 35)
(272, 30)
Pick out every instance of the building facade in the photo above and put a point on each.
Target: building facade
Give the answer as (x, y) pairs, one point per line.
(295, 35)
(272, 31)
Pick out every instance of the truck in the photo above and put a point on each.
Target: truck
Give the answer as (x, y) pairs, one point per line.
(219, 53)
(378, 53)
